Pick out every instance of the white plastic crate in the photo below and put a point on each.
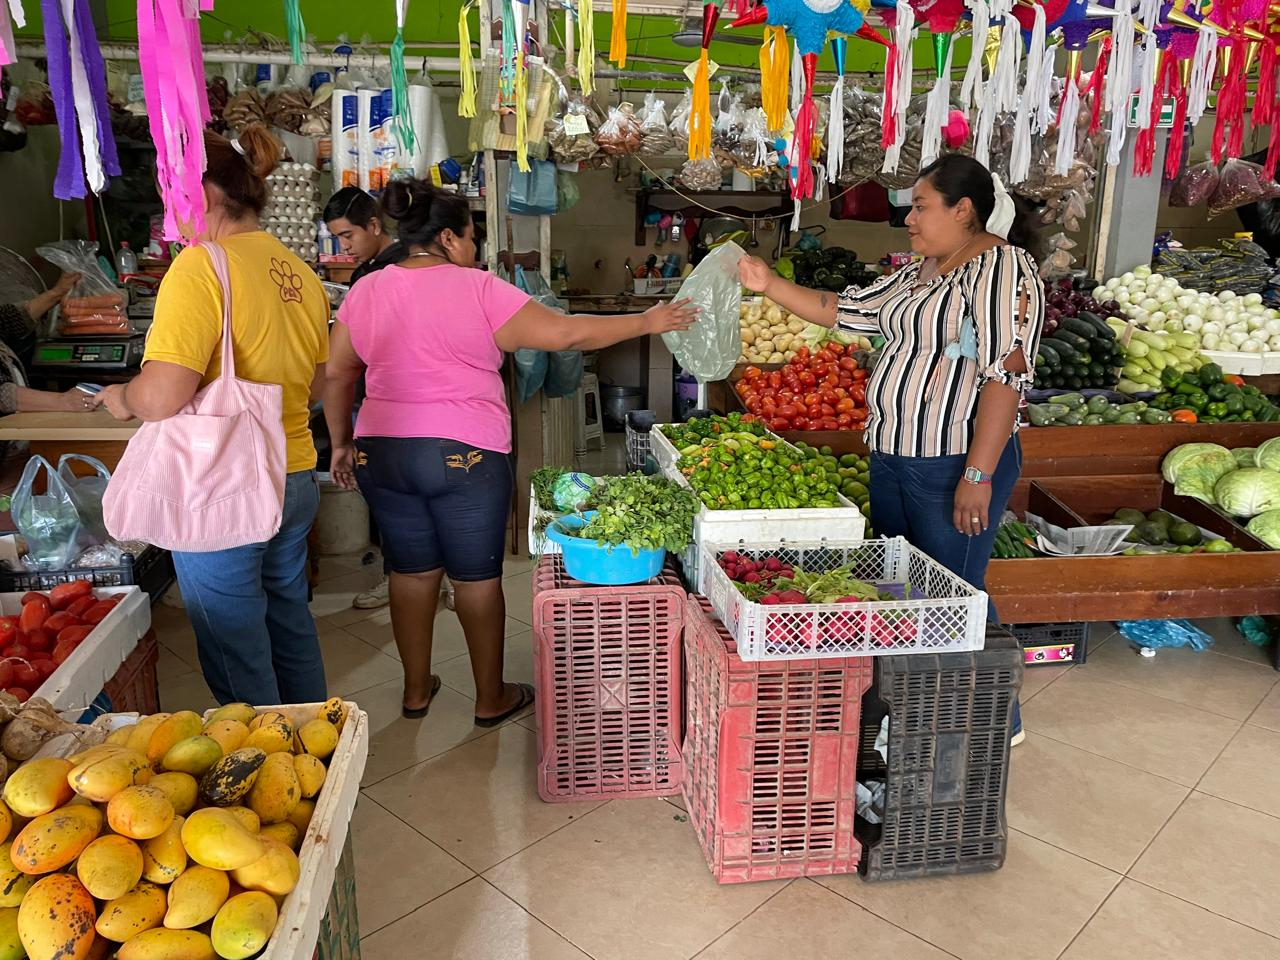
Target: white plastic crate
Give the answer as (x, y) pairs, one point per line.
(1242, 364)
(639, 443)
(942, 613)
(81, 677)
(663, 451)
(1271, 361)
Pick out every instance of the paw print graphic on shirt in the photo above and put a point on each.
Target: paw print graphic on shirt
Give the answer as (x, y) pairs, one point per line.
(289, 282)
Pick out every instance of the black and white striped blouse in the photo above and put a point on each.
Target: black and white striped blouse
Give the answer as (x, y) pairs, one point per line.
(922, 402)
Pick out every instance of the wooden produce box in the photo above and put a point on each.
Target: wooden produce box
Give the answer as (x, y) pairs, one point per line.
(1154, 587)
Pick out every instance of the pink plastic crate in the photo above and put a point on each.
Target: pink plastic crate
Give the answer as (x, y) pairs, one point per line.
(607, 665)
(770, 757)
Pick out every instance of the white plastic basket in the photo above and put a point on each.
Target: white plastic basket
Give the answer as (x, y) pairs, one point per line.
(80, 678)
(663, 451)
(639, 443)
(943, 613)
(1242, 364)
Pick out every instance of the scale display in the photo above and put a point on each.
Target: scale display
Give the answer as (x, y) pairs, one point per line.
(113, 353)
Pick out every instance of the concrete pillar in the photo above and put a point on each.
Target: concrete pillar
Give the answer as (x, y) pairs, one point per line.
(1129, 207)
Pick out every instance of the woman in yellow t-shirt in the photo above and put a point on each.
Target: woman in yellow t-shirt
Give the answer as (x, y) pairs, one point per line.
(248, 605)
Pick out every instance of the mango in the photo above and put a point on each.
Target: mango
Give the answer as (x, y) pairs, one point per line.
(140, 909)
(319, 738)
(6, 821)
(285, 832)
(10, 942)
(248, 819)
(164, 857)
(311, 774)
(121, 735)
(195, 897)
(110, 867)
(52, 841)
(161, 944)
(100, 777)
(181, 789)
(267, 717)
(276, 872)
(140, 734)
(273, 736)
(174, 729)
(228, 781)
(276, 791)
(55, 921)
(240, 712)
(301, 815)
(193, 755)
(243, 925)
(14, 884)
(38, 786)
(140, 812)
(230, 734)
(215, 838)
(333, 710)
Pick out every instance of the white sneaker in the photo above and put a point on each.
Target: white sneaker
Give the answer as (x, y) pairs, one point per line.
(379, 596)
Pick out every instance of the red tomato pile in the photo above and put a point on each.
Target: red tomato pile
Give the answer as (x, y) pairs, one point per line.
(826, 390)
(34, 643)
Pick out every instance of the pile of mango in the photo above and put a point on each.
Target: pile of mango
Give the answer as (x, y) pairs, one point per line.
(175, 839)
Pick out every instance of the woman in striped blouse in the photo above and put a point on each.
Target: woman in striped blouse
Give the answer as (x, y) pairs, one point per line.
(959, 326)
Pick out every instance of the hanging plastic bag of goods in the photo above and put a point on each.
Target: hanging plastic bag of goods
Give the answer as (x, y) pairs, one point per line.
(710, 347)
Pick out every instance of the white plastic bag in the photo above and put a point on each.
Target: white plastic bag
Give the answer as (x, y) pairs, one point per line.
(710, 348)
(49, 521)
(86, 493)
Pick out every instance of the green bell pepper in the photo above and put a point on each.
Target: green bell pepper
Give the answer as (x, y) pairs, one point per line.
(1235, 404)
(1170, 377)
(1210, 373)
(1216, 409)
(1217, 392)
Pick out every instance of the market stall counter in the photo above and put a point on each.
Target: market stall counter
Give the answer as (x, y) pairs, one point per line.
(50, 435)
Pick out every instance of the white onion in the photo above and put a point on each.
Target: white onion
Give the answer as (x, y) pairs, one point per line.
(1150, 304)
(1193, 323)
(1213, 326)
(1122, 296)
(1260, 335)
(1151, 277)
(1209, 341)
(1236, 337)
(1251, 346)
(1128, 278)
(1215, 313)
(1227, 295)
(1253, 298)
(1274, 343)
(1255, 323)
(1173, 326)
(1158, 317)
(1272, 327)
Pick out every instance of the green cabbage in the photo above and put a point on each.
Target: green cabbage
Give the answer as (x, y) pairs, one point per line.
(1195, 468)
(1266, 527)
(1268, 455)
(1248, 492)
(1246, 456)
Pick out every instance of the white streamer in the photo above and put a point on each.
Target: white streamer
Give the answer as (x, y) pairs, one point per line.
(835, 130)
(1028, 104)
(903, 27)
(1001, 93)
(797, 77)
(17, 14)
(1067, 129)
(937, 108)
(973, 89)
(1203, 67)
(86, 109)
(1044, 115)
(1147, 79)
(1119, 86)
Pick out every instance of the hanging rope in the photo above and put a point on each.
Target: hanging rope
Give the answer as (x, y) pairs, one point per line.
(466, 73)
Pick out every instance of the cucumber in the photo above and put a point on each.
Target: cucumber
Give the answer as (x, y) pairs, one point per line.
(1104, 332)
(1050, 354)
(1068, 400)
(1080, 343)
(1128, 418)
(1075, 383)
(1094, 420)
(1097, 371)
(1151, 415)
(1111, 414)
(1072, 419)
(1066, 351)
(1079, 327)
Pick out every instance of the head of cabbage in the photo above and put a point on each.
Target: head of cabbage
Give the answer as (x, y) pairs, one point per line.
(1246, 456)
(1266, 527)
(1248, 492)
(1194, 469)
(1268, 454)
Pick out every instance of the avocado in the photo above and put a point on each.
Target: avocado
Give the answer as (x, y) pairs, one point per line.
(1153, 532)
(1185, 534)
(1162, 517)
(1129, 515)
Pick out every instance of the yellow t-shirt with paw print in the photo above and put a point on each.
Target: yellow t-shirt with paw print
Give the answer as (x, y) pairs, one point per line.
(279, 321)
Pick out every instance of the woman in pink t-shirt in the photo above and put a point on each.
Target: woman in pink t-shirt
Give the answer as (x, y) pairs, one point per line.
(432, 443)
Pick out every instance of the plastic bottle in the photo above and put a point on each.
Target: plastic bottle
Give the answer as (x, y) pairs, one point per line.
(126, 260)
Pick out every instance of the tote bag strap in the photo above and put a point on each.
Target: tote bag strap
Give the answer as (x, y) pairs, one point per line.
(218, 257)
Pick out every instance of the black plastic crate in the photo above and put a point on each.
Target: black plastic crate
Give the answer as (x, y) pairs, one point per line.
(947, 764)
(1052, 644)
(152, 570)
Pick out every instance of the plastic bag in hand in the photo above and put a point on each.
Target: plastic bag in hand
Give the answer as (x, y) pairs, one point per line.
(95, 306)
(710, 348)
(49, 521)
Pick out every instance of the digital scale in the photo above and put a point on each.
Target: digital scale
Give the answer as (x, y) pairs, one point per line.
(68, 361)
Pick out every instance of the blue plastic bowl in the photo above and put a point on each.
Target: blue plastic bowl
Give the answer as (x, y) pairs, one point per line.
(589, 562)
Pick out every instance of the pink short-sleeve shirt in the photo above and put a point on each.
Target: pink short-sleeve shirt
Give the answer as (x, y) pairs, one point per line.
(425, 335)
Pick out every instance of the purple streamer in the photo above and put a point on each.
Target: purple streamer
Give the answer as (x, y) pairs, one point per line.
(69, 183)
(96, 71)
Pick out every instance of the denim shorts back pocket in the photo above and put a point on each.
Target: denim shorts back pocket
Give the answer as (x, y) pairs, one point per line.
(465, 465)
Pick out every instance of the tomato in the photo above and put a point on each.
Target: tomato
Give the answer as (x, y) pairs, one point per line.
(752, 373)
(34, 614)
(33, 595)
(8, 631)
(78, 607)
(40, 639)
(829, 423)
(6, 673)
(62, 596)
(45, 668)
(775, 379)
(24, 675)
(860, 374)
(802, 354)
(787, 411)
(808, 378)
(859, 415)
(779, 424)
(63, 650)
(814, 411)
(826, 356)
(828, 410)
(800, 423)
(859, 393)
(60, 620)
(833, 379)
(810, 399)
(836, 348)
(845, 405)
(848, 363)
(844, 420)
(21, 694)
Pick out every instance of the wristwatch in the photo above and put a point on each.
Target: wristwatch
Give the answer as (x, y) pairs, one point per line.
(977, 477)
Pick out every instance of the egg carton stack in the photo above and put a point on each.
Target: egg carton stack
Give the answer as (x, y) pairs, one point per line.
(293, 208)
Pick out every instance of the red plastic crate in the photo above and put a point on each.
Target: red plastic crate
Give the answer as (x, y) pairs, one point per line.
(770, 757)
(607, 665)
(134, 688)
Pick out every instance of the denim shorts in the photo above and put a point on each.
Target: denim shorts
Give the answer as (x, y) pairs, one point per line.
(439, 504)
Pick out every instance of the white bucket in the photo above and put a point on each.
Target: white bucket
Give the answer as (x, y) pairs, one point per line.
(342, 525)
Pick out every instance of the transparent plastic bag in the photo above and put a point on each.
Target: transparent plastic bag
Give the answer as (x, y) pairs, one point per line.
(710, 348)
(726, 131)
(570, 135)
(655, 136)
(680, 122)
(755, 148)
(95, 306)
(1155, 634)
(1240, 183)
(702, 174)
(49, 521)
(86, 493)
(1194, 186)
(567, 192)
(619, 135)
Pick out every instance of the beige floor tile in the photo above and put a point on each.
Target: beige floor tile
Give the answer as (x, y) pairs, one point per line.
(1248, 772)
(447, 639)
(518, 665)
(1168, 739)
(478, 802)
(1036, 679)
(628, 882)
(351, 665)
(994, 915)
(473, 922)
(396, 744)
(331, 567)
(1268, 712)
(335, 595)
(1096, 808)
(1205, 680)
(808, 922)
(170, 666)
(514, 566)
(1228, 642)
(519, 592)
(397, 868)
(1222, 856)
(1139, 923)
(187, 692)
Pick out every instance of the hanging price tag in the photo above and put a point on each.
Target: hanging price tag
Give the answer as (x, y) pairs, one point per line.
(575, 124)
(692, 69)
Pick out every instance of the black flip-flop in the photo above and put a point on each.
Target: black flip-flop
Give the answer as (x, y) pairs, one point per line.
(525, 701)
(421, 712)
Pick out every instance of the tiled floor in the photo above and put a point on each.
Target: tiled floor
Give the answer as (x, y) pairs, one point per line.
(1144, 811)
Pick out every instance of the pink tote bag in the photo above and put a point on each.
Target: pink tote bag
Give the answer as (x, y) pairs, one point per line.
(212, 476)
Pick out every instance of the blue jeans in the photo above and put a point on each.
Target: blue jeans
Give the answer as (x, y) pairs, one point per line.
(913, 497)
(254, 631)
